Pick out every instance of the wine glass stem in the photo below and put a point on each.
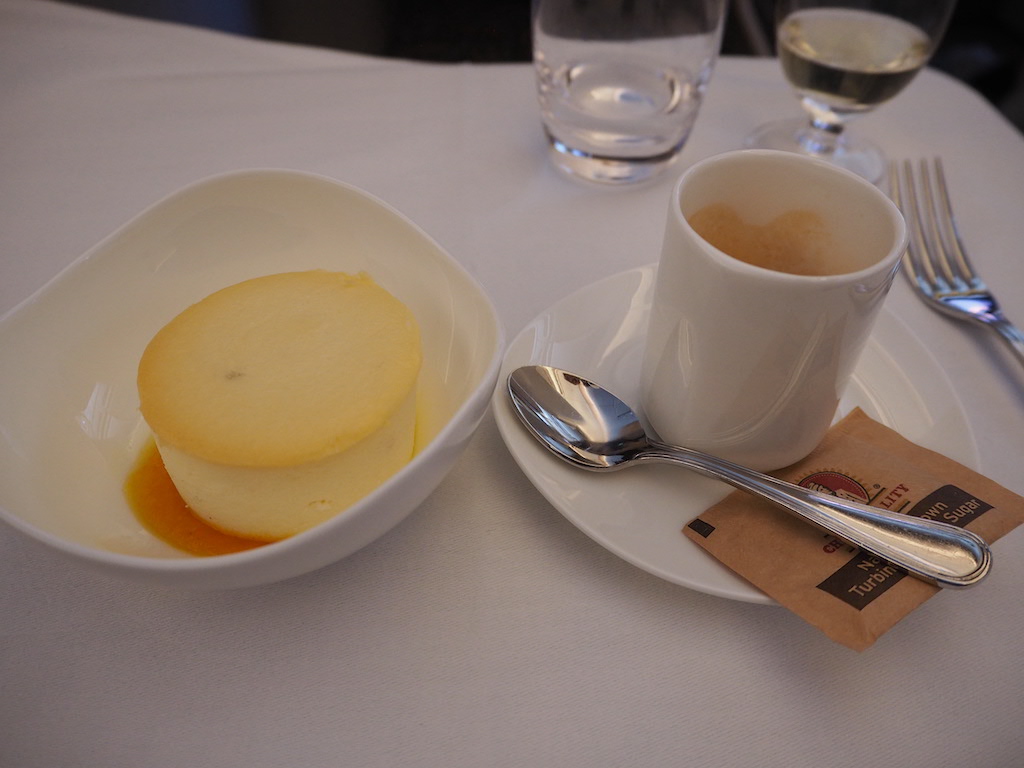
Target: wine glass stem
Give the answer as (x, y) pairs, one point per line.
(829, 127)
(820, 138)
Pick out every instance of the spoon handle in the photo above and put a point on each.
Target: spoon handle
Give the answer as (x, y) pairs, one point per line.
(935, 552)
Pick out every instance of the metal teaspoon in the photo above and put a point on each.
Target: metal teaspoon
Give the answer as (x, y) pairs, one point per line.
(591, 428)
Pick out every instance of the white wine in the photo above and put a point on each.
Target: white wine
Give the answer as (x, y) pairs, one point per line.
(843, 62)
(850, 60)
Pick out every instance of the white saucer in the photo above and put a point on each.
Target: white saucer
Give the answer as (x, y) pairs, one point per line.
(639, 514)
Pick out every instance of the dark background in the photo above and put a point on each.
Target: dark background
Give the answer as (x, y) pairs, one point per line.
(984, 45)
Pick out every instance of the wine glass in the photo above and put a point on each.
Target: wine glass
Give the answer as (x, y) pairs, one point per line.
(844, 58)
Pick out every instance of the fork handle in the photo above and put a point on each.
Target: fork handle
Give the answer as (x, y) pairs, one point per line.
(1011, 335)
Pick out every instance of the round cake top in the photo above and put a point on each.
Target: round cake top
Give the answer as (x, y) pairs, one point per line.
(280, 370)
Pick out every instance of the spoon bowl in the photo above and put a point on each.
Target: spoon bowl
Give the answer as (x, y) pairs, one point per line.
(589, 427)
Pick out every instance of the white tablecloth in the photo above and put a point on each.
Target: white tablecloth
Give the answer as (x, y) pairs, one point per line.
(485, 630)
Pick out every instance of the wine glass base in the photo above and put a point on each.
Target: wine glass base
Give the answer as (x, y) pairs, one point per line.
(854, 154)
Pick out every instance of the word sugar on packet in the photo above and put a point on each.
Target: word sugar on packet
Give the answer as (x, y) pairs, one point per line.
(852, 596)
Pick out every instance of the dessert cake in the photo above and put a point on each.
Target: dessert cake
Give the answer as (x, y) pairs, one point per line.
(280, 401)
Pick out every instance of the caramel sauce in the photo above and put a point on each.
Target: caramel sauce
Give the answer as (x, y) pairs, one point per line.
(161, 510)
(155, 500)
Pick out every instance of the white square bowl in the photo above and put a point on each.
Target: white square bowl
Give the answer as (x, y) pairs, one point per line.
(70, 428)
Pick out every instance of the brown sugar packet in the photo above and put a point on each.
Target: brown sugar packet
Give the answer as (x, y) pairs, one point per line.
(852, 596)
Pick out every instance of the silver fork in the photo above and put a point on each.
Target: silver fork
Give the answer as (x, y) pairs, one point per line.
(936, 261)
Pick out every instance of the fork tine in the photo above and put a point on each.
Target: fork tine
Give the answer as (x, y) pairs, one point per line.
(916, 258)
(951, 232)
(896, 193)
(936, 232)
(935, 245)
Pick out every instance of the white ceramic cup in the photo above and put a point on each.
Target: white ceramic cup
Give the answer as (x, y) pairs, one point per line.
(748, 363)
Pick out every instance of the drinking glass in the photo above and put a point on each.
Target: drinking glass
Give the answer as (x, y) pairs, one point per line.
(620, 81)
(844, 58)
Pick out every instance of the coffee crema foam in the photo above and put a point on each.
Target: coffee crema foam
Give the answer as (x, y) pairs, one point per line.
(797, 242)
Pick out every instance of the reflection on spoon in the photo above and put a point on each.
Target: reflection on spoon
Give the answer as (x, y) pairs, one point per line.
(591, 428)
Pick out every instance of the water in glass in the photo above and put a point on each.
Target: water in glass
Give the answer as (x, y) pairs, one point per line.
(619, 94)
